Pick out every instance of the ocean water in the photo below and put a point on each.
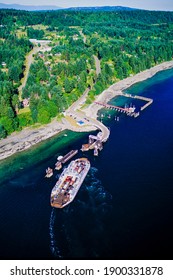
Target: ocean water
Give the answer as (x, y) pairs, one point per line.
(124, 208)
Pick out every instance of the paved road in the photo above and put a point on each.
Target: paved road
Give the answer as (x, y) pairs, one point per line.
(72, 110)
(77, 104)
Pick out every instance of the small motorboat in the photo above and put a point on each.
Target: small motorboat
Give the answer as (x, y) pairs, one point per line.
(49, 172)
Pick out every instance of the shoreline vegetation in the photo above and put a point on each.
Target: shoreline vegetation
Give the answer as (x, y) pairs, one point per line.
(20, 141)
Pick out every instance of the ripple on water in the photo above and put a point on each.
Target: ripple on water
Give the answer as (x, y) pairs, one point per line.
(81, 222)
(53, 243)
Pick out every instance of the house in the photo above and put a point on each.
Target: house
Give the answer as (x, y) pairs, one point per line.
(75, 37)
(25, 102)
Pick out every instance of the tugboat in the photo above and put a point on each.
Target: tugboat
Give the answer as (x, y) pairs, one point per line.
(49, 172)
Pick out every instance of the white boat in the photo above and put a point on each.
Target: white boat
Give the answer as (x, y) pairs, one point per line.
(49, 172)
(69, 183)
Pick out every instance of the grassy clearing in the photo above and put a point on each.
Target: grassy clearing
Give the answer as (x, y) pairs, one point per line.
(38, 26)
(21, 33)
(24, 110)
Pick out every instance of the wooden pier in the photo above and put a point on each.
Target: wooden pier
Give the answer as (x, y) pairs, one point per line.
(131, 110)
(148, 100)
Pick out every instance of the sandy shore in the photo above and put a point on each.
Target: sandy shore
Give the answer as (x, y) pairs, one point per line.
(28, 137)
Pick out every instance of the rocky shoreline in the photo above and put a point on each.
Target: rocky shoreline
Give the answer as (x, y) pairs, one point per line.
(20, 141)
(117, 88)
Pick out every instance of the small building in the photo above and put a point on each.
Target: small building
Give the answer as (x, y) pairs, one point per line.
(75, 37)
(47, 63)
(41, 42)
(25, 102)
(41, 55)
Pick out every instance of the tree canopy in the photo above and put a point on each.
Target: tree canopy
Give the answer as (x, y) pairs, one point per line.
(125, 42)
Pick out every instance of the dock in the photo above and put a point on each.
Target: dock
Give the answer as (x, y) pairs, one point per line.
(69, 156)
(95, 143)
(129, 111)
(148, 100)
(126, 110)
(64, 159)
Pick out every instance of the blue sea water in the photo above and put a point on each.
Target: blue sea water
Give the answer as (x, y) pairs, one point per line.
(125, 205)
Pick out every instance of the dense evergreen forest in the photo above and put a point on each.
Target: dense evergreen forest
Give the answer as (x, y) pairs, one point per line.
(125, 42)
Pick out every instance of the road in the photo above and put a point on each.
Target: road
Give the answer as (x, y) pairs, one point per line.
(29, 60)
(97, 62)
(84, 37)
(74, 111)
(76, 106)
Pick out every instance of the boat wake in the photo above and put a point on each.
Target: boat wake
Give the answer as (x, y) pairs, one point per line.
(78, 230)
(98, 196)
(53, 244)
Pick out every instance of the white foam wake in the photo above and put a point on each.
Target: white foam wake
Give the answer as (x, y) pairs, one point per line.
(53, 243)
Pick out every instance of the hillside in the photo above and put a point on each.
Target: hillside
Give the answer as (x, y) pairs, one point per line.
(102, 8)
(49, 7)
(28, 7)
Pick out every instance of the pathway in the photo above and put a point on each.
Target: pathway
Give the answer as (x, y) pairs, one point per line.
(97, 63)
(29, 60)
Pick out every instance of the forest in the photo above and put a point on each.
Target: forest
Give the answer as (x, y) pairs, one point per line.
(125, 42)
